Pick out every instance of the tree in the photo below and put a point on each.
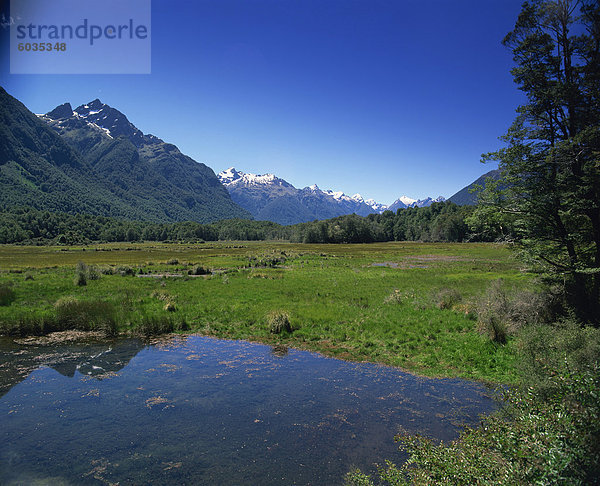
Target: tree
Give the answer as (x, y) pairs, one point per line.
(551, 164)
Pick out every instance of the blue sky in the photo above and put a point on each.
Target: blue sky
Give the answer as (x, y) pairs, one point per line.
(384, 98)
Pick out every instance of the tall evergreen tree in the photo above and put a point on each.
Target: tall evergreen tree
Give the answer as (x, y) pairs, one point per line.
(551, 164)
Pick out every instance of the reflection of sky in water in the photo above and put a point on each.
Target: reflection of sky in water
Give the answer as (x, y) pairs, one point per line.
(198, 410)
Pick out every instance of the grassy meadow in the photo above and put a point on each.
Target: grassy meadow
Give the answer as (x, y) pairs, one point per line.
(405, 304)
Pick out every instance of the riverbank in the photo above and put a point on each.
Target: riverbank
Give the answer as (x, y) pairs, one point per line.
(409, 305)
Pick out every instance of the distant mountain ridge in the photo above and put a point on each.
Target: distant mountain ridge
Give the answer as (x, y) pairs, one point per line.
(171, 185)
(271, 198)
(466, 197)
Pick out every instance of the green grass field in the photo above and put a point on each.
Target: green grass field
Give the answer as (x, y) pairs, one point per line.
(404, 304)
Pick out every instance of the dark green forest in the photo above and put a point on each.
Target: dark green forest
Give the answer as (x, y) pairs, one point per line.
(443, 221)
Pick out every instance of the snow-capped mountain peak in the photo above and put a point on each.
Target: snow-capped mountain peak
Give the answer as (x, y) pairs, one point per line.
(102, 117)
(407, 200)
(229, 175)
(233, 177)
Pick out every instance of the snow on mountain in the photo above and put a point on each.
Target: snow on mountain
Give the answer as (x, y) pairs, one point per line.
(257, 193)
(99, 116)
(233, 177)
(377, 207)
(407, 200)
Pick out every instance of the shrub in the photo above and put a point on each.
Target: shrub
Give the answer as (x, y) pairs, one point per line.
(173, 261)
(546, 347)
(500, 314)
(279, 322)
(7, 294)
(534, 440)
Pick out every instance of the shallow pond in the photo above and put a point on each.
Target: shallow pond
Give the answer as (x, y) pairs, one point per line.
(198, 410)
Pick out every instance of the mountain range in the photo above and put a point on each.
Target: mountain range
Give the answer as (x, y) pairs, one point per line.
(269, 197)
(93, 160)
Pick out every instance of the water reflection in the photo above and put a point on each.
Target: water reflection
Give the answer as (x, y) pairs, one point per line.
(20, 357)
(198, 410)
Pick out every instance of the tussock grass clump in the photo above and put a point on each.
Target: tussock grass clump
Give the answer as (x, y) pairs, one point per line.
(155, 325)
(94, 315)
(279, 322)
(199, 270)
(173, 261)
(7, 294)
(500, 314)
(125, 270)
(447, 298)
(81, 271)
(29, 325)
(93, 273)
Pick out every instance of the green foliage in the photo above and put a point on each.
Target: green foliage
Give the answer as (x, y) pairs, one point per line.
(545, 348)
(535, 440)
(7, 293)
(550, 166)
(438, 222)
